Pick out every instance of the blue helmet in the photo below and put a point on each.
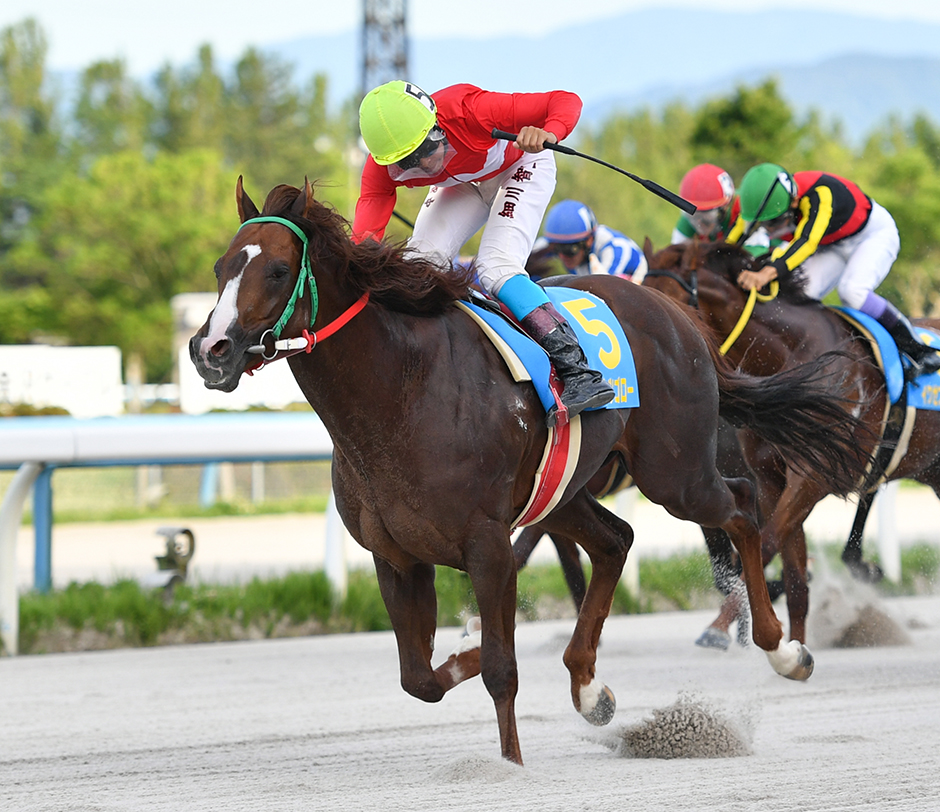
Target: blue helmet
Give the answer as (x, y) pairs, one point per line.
(569, 221)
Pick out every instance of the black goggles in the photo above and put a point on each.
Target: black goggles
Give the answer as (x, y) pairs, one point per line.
(569, 249)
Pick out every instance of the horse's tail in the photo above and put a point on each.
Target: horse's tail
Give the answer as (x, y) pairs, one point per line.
(816, 431)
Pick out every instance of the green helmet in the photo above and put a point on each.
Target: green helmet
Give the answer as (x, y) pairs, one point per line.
(766, 192)
(394, 120)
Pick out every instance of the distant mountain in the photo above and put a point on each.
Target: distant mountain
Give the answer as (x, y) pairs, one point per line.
(857, 69)
(860, 90)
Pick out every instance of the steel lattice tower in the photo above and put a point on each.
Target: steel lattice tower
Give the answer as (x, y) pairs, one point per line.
(384, 42)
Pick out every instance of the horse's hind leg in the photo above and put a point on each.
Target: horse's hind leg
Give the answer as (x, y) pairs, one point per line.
(793, 659)
(607, 539)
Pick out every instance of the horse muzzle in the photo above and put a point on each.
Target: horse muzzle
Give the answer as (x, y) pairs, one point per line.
(220, 365)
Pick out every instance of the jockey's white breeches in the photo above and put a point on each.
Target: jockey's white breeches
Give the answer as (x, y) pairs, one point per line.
(509, 208)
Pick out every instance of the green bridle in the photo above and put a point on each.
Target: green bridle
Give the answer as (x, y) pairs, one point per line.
(305, 273)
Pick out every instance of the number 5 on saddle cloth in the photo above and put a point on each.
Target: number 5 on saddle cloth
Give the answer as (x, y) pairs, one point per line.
(599, 334)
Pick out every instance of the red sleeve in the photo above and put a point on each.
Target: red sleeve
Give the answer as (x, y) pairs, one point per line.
(557, 111)
(377, 197)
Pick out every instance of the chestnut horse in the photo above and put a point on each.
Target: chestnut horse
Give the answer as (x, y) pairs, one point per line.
(436, 447)
(782, 333)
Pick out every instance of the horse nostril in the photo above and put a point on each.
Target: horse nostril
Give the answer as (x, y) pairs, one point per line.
(220, 347)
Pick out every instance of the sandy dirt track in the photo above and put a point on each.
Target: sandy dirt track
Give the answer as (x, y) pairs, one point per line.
(321, 723)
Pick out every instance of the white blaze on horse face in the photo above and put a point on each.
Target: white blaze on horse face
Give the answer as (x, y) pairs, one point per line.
(225, 313)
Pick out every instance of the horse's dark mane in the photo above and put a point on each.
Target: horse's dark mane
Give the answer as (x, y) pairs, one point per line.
(730, 260)
(395, 278)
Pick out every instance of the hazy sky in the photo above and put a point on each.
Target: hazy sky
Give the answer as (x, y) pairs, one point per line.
(148, 34)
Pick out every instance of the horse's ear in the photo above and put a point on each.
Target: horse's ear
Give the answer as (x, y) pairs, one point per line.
(246, 208)
(304, 203)
(648, 250)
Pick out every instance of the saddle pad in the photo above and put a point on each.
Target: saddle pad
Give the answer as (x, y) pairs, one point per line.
(883, 346)
(923, 392)
(526, 360)
(598, 331)
(603, 341)
(563, 447)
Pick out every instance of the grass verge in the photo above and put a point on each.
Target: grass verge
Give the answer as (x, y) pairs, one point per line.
(92, 616)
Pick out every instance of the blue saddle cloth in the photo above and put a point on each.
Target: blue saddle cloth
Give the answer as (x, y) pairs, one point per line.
(601, 337)
(924, 391)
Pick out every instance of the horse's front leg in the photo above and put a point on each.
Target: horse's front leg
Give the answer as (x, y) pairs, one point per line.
(865, 571)
(492, 571)
(411, 602)
(607, 540)
(734, 606)
(568, 556)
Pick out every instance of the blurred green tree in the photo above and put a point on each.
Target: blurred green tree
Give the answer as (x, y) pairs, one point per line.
(111, 113)
(113, 246)
(30, 135)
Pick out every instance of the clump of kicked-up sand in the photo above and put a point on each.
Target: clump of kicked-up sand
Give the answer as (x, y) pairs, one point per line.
(689, 728)
(847, 616)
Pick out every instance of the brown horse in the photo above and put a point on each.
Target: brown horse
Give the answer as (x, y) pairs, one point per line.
(781, 333)
(436, 446)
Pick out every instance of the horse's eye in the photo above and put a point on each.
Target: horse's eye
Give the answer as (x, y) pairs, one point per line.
(277, 271)
(217, 269)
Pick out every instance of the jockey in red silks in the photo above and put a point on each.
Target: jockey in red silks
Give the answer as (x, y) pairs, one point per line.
(843, 240)
(718, 210)
(711, 190)
(444, 141)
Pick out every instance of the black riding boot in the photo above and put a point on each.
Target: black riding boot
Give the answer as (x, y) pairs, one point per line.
(924, 359)
(585, 388)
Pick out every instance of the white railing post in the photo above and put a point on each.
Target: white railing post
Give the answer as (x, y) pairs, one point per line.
(889, 547)
(11, 514)
(335, 567)
(626, 504)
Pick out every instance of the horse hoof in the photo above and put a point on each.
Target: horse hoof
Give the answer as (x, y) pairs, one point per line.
(471, 638)
(603, 705)
(714, 638)
(804, 667)
(792, 660)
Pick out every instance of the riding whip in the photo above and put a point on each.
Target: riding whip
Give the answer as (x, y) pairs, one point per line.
(404, 219)
(655, 188)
